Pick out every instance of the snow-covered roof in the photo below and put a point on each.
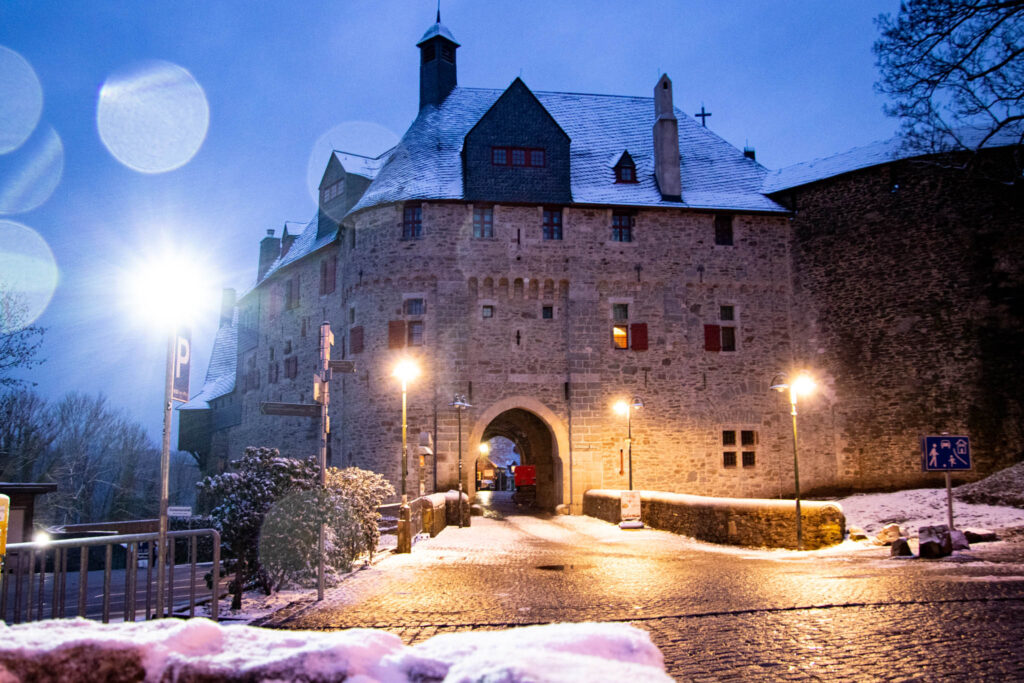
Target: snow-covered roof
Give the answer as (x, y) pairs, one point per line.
(220, 375)
(437, 29)
(305, 243)
(362, 165)
(873, 154)
(427, 164)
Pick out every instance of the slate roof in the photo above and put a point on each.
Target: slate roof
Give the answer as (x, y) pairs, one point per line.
(220, 375)
(427, 163)
(873, 154)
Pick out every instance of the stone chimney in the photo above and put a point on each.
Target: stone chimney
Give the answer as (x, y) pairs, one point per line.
(227, 306)
(270, 249)
(437, 64)
(666, 142)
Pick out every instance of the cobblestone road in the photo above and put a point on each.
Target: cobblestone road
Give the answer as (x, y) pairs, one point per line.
(716, 613)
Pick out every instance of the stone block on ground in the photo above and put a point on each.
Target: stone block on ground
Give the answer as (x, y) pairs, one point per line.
(476, 511)
(857, 534)
(901, 548)
(980, 535)
(959, 540)
(888, 534)
(934, 541)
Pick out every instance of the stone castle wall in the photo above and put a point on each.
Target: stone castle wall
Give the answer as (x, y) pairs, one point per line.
(909, 296)
(691, 395)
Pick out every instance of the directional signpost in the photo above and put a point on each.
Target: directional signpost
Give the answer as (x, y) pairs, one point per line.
(322, 396)
(946, 453)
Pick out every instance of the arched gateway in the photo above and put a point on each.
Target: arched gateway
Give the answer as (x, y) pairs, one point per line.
(541, 438)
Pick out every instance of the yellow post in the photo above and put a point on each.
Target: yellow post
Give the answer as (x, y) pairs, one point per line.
(5, 515)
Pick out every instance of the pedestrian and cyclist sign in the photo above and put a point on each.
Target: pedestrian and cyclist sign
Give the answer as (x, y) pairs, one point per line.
(945, 453)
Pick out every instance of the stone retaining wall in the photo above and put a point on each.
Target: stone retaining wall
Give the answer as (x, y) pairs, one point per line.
(734, 521)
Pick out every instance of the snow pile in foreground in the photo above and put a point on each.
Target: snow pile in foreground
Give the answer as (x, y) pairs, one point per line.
(1005, 487)
(916, 508)
(202, 650)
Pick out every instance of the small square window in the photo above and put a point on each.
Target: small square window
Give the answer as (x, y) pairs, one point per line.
(620, 336)
(723, 229)
(487, 312)
(499, 156)
(414, 306)
(415, 329)
(518, 157)
(622, 227)
(537, 158)
(729, 437)
(729, 459)
(726, 313)
(748, 437)
(547, 312)
(620, 311)
(748, 458)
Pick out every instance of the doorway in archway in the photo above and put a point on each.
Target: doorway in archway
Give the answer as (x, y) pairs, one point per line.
(519, 436)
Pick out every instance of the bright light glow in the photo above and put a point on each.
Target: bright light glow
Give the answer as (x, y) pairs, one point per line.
(621, 407)
(406, 371)
(485, 448)
(803, 385)
(168, 289)
(41, 537)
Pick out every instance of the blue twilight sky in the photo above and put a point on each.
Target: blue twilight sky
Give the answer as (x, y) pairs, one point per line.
(284, 81)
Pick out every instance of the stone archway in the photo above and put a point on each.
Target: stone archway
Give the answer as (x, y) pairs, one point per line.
(542, 441)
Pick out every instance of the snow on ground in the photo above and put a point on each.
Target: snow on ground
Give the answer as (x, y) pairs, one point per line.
(924, 507)
(200, 649)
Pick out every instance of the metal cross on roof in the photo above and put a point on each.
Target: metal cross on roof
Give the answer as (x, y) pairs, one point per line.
(703, 115)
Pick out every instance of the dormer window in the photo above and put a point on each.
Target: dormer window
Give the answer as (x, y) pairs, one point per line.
(331, 191)
(518, 156)
(625, 170)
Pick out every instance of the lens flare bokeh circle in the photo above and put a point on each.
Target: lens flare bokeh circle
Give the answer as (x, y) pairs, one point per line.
(30, 174)
(21, 100)
(152, 117)
(28, 275)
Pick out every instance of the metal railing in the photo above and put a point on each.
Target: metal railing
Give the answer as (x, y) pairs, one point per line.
(36, 580)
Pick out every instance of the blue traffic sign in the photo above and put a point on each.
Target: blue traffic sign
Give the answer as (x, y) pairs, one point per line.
(945, 453)
(182, 364)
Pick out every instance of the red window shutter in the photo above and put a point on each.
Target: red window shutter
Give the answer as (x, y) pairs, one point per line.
(712, 338)
(396, 334)
(355, 340)
(638, 336)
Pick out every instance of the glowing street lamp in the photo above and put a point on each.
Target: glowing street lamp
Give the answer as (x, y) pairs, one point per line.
(168, 289)
(624, 408)
(405, 372)
(802, 385)
(460, 404)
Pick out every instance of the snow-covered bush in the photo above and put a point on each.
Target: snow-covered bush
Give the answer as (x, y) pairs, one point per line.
(269, 513)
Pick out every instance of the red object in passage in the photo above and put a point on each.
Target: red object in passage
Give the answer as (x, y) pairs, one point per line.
(526, 475)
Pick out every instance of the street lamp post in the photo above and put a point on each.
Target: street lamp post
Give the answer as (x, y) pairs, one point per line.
(460, 404)
(405, 371)
(623, 408)
(802, 385)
